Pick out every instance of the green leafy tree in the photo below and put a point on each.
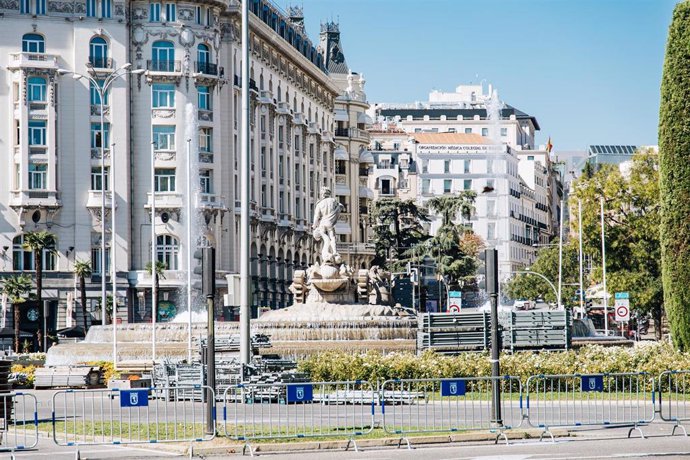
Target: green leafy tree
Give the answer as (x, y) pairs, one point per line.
(397, 228)
(674, 145)
(39, 243)
(632, 227)
(451, 251)
(16, 288)
(83, 270)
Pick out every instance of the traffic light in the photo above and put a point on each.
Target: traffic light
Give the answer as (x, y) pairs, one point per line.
(207, 269)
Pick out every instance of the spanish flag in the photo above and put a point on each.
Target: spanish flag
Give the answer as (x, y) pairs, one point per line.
(549, 145)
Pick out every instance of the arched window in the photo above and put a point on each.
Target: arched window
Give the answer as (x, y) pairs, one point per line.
(163, 57)
(23, 260)
(36, 90)
(98, 53)
(168, 248)
(33, 43)
(202, 53)
(203, 60)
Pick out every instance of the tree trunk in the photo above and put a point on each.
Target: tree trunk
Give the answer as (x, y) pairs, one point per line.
(38, 262)
(657, 313)
(17, 318)
(82, 291)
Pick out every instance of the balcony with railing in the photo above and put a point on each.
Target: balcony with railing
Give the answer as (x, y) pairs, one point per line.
(341, 132)
(356, 248)
(27, 199)
(32, 61)
(206, 68)
(166, 200)
(164, 66)
(94, 200)
(212, 201)
(100, 62)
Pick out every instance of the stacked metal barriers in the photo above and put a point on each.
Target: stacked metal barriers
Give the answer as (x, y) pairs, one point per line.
(19, 419)
(575, 400)
(449, 406)
(151, 415)
(298, 410)
(674, 398)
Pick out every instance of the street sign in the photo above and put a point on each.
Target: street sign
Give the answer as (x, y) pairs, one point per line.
(622, 308)
(454, 301)
(134, 398)
(455, 294)
(592, 383)
(453, 308)
(453, 388)
(299, 393)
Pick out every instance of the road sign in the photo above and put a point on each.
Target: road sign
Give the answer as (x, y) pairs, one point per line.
(134, 398)
(455, 294)
(453, 388)
(453, 308)
(622, 295)
(454, 301)
(622, 307)
(300, 393)
(592, 383)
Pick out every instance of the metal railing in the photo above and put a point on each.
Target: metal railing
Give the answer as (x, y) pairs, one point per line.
(149, 415)
(449, 405)
(164, 66)
(19, 418)
(298, 410)
(674, 398)
(206, 68)
(574, 400)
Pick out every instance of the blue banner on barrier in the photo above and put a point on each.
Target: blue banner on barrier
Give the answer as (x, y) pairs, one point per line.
(453, 388)
(592, 383)
(299, 393)
(134, 398)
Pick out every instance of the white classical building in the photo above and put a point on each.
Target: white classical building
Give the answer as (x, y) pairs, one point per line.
(186, 100)
(469, 140)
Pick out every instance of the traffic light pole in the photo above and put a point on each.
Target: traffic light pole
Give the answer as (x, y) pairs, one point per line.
(208, 287)
(491, 262)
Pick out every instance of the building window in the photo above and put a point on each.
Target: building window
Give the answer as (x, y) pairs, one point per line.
(163, 56)
(163, 95)
(164, 137)
(467, 184)
(490, 185)
(204, 98)
(386, 187)
(106, 8)
(96, 141)
(466, 167)
(199, 15)
(165, 179)
(468, 130)
(504, 132)
(170, 12)
(23, 259)
(491, 208)
(491, 231)
(340, 167)
(33, 43)
(447, 185)
(155, 12)
(446, 166)
(206, 181)
(167, 249)
(206, 140)
(96, 260)
(485, 132)
(96, 178)
(38, 176)
(37, 132)
(25, 6)
(203, 55)
(40, 7)
(90, 8)
(530, 157)
(489, 166)
(37, 89)
(96, 95)
(98, 53)
(425, 166)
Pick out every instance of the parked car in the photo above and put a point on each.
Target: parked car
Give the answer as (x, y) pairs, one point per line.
(522, 304)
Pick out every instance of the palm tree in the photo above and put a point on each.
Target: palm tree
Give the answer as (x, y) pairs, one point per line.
(83, 270)
(38, 243)
(16, 287)
(160, 274)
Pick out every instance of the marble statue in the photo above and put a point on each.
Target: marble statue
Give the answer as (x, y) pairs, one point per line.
(326, 213)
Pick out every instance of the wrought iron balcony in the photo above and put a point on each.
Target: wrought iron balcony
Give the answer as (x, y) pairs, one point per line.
(164, 66)
(206, 68)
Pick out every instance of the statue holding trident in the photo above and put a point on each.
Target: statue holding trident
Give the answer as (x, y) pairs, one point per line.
(326, 214)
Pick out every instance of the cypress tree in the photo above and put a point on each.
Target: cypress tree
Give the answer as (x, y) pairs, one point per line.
(674, 159)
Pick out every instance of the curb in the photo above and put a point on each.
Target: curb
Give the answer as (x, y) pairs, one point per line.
(203, 450)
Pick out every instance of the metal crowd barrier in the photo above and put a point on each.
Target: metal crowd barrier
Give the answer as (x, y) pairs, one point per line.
(674, 398)
(298, 410)
(19, 419)
(574, 400)
(449, 405)
(150, 415)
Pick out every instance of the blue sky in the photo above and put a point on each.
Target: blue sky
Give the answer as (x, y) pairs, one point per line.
(589, 70)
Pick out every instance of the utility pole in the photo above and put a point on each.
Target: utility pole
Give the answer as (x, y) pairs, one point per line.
(491, 263)
(603, 267)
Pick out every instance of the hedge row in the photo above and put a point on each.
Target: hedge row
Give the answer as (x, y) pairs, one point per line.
(374, 366)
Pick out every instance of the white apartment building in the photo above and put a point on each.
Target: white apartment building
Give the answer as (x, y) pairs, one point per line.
(187, 97)
(455, 143)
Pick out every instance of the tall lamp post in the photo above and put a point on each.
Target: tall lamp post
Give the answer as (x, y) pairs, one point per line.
(102, 90)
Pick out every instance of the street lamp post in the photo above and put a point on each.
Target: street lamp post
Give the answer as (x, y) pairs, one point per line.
(102, 91)
(528, 272)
